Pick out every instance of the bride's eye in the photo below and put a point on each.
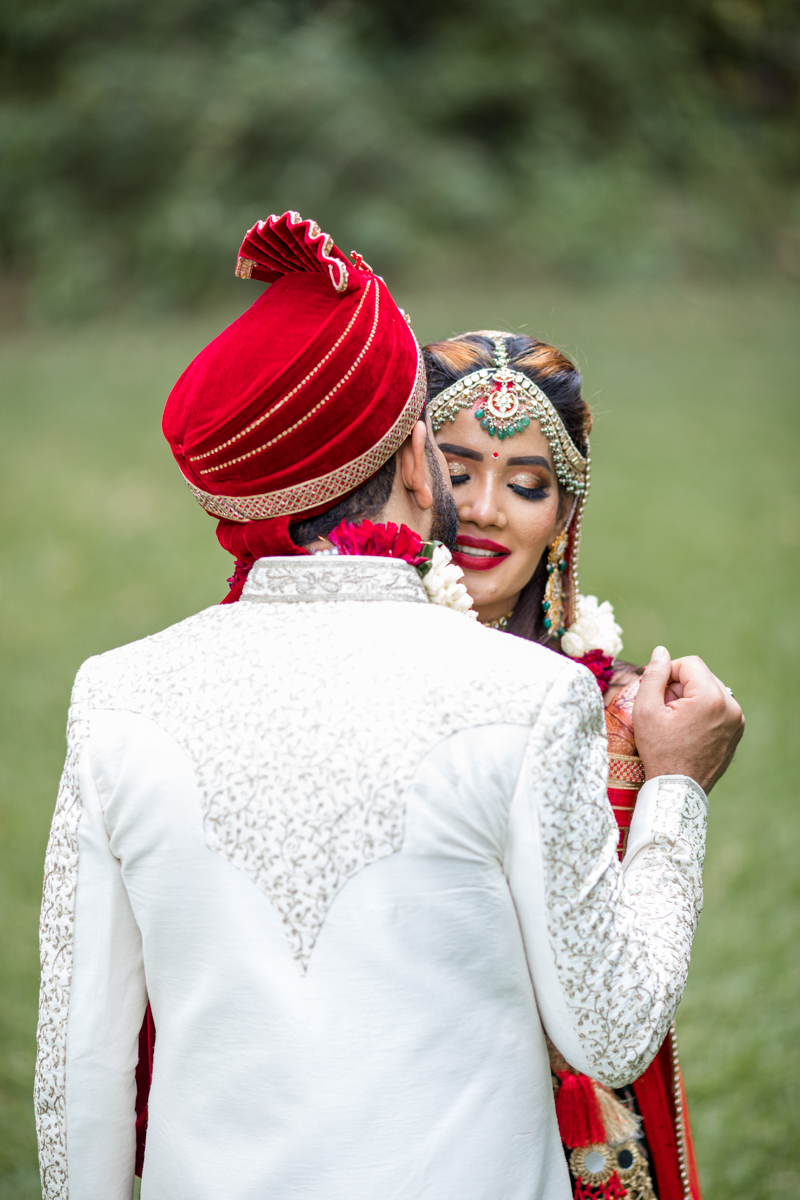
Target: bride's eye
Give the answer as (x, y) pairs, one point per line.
(528, 486)
(458, 472)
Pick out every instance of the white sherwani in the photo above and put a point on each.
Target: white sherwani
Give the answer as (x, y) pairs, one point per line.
(357, 852)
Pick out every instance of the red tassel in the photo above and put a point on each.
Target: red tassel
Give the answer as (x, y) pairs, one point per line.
(578, 1112)
(612, 1190)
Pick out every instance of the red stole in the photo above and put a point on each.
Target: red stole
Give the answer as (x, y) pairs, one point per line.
(670, 1140)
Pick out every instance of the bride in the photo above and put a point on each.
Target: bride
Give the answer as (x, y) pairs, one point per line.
(510, 419)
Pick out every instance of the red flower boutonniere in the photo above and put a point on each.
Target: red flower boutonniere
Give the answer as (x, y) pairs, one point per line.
(382, 541)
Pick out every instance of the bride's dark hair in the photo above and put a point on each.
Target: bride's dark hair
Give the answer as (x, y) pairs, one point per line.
(560, 380)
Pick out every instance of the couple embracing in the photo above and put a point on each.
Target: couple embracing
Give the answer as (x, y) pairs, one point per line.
(345, 848)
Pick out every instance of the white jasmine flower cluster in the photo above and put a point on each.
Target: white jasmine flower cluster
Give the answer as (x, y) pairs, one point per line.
(594, 629)
(443, 583)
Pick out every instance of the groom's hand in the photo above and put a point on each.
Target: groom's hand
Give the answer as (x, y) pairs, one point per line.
(685, 721)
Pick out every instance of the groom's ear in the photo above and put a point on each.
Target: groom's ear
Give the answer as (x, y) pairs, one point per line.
(413, 467)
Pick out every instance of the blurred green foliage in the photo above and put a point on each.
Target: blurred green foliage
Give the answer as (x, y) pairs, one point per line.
(692, 530)
(140, 138)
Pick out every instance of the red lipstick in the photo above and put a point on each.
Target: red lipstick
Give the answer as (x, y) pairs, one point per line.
(489, 554)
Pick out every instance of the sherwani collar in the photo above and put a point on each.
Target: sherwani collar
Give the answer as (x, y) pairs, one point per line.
(332, 577)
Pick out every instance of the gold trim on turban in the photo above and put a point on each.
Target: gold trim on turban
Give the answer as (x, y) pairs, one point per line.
(304, 496)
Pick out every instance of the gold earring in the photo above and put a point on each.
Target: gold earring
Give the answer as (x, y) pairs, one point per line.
(554, 592)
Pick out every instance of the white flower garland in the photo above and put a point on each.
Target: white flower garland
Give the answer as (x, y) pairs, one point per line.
(442, 581)
(593, 629)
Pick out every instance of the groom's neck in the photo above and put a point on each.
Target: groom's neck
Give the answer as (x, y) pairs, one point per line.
(401, 509)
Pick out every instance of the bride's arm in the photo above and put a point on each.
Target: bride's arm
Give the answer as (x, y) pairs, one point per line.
(608, 951)
(625, 673)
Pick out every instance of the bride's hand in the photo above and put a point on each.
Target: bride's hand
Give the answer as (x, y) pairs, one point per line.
(685, 720)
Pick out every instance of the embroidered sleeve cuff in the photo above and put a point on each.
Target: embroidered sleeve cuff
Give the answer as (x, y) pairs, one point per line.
(671, 807)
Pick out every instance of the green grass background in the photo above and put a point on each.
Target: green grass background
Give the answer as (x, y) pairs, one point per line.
(693, 531)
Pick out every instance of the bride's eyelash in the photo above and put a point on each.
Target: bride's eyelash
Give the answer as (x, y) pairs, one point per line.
(537, 493)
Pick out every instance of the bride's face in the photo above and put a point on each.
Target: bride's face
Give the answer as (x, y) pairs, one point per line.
(509, 509)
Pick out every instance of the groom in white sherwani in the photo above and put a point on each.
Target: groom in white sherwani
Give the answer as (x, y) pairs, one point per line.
(353, 848)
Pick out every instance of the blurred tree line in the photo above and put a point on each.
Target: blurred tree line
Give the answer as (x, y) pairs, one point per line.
(140, 138)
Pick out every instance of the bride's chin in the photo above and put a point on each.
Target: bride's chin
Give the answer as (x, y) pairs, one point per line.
(496, 590)
(483, 590)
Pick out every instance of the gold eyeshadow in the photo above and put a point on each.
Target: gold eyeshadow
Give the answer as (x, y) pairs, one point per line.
(528, 480)
(457, 468)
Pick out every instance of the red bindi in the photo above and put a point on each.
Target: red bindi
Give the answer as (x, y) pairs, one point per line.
(495, 454)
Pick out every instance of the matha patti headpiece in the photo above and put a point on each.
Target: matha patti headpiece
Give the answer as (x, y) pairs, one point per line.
(506, 401)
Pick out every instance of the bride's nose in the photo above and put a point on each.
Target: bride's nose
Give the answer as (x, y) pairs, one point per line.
(482, 507)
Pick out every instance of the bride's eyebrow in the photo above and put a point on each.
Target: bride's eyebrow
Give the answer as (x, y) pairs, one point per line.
(449, 448)
(534, 460)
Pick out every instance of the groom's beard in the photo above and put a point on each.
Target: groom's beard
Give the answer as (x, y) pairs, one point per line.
(445, 514)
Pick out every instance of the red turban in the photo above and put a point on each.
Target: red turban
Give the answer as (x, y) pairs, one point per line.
(302, 399)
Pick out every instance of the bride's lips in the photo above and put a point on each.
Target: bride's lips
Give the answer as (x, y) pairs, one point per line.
(478, 554)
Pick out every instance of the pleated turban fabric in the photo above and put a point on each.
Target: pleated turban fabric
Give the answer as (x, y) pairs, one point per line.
(302, 399)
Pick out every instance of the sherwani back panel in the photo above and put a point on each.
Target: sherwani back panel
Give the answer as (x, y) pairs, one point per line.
(356, 850)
